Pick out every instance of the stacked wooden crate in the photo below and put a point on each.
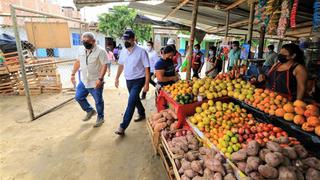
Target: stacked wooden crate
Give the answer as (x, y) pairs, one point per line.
(33, 82)
(49, 77)
(12, 62)
(6, 85)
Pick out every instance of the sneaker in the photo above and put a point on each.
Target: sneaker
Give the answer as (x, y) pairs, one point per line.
(99, 122)
(143, 96)
(89, 115)
(140, 118)
(120, 131)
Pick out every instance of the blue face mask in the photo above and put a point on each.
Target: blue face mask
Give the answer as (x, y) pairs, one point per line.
(196, 50)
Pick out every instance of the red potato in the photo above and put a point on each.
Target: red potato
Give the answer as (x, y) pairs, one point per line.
(273, 159)
(239, 155)
(273, 146)
(301, 151)
(286, 174)
(263, 153)
(290, 153)
(253, 163)
(312, 174)
(312, 162)
(268, 171)
(253, 148)
(189, 173)
(242, 166)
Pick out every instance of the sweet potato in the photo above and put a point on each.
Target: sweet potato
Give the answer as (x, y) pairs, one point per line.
(229, 176)
(190, 156)
(185, 164)
(228, 168)
(217, 176)
(253, 163)
(272, 159)
(300, 165)
(253, 148)
(286, 161)
(207, 173)
(242, 166)
(273, 146)
(181, 170)
(286, 174)
(159, 126)
(156, 116)
(204, 151)
(220, 158)
(167, 116)
(312, 174)
(184, 177)
(239, 155)
(178, 163)
(173, 114)
(173, 126)
(312, 162)
(263, 153)
(301, 151)
(220, 169)
(268, 171)
(198, 178)
(290, 153)
(193, 147)
(255, 176)
(196, 167)
(189, 173)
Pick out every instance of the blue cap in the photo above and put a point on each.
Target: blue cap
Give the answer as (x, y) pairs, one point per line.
(128, 34)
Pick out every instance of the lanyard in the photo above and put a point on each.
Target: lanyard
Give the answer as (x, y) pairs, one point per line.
(87, 56)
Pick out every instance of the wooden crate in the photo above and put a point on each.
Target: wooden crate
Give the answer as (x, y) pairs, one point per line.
(165, 161)
(6, 86)
(154, 137)
(3, 70)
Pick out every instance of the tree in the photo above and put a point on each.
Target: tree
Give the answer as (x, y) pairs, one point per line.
(114, 24)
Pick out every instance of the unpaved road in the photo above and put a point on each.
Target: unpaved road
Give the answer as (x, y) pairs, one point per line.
(60, 146)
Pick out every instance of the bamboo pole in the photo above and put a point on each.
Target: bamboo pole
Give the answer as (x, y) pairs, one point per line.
(193, 29)
(250, 26)
(226, 37)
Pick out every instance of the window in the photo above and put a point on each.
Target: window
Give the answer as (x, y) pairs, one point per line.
(76, 39)
(164, 41)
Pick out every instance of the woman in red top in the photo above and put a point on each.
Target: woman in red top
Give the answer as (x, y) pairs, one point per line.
(289, 75)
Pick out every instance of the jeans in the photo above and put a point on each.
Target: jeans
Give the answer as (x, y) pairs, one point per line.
(134, 87)
(81, 96)
(266, 69)
(151, 81)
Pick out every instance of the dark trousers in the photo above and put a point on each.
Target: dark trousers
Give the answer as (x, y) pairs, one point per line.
(195, 73)
(151, 81)
(81, 96)
(134, 87)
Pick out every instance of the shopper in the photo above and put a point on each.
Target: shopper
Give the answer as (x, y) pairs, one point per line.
(234, 55)
(153, 58)
(135, 63)
(289, 75)
(110, 56)
(213, 64)
(271, 59)
(164, 68)
(177, 60)
(93, 63)
(197, 61)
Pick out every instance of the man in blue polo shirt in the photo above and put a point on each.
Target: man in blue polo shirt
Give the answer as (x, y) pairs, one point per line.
(135, 63)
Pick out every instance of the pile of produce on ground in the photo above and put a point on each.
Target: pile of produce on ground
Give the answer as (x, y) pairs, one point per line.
(298, 112)
(164, 120)
(205, 164)
(230, 127)
(272, 161)
(181, 141)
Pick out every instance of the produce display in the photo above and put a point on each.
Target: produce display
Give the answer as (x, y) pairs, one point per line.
(164, 120)
(298, 112)
(181, 141)
(206, 164)
(230, 127)
(272, 161)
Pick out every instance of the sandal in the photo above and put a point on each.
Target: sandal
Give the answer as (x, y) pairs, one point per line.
(120, 131)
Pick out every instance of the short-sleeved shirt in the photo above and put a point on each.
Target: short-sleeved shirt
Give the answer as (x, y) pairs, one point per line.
(134, 62)
(233, 57)
(271, 59)
(91, 62)
(153, 58)
(169, 70)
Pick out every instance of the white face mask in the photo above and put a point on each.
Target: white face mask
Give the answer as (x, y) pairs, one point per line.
(210, 53)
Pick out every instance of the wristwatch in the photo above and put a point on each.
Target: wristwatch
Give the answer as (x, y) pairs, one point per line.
(101, 79)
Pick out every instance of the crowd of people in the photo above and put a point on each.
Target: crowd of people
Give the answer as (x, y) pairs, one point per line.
(284, 72)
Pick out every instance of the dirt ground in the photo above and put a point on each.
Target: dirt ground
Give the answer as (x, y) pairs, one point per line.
(60, 146)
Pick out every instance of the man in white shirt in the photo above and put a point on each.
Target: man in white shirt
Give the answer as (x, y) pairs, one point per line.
(153, 58)
(134, 60)
(93, 64)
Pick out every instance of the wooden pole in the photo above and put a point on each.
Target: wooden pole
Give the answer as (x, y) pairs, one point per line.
(261, 43)
(193, 29)
(226, 37)
(175, 9)
(250, 26)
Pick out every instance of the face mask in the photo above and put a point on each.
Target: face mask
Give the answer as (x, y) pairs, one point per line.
(210, 53)
(149, 48)
(87, 45)
(168, 59)
(127, 44)
(196, 50)
(282, 58)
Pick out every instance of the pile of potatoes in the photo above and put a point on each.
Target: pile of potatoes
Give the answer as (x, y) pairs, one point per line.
(181, 141)
(273, 161)
(165, 119)
(205, 164)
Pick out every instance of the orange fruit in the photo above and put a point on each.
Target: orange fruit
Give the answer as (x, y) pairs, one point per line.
(288, 116)
(280, 112)
(288, 108)
(299, 119)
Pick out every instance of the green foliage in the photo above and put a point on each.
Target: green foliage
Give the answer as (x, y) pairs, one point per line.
(114, 24)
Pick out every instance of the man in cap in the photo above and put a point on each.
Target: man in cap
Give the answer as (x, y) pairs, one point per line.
(135, 63)
(93, 63)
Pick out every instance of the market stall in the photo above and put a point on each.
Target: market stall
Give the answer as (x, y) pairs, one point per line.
(240, 123)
